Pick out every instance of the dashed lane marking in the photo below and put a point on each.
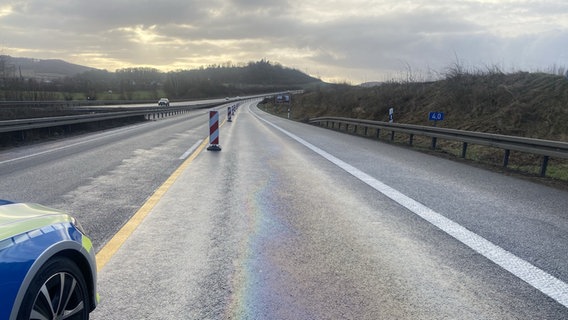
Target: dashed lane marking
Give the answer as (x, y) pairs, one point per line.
(111, 247)
(106, 253)
(190, 150)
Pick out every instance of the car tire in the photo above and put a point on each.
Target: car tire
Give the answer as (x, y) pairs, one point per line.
(58, 291)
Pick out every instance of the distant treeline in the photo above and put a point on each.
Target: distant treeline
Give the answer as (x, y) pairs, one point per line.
(124, 84)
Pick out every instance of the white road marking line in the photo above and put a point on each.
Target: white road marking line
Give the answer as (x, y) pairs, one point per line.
(190, 150)
(536, 277)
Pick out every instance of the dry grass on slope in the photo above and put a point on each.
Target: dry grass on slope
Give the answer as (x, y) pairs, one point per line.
(521, 104)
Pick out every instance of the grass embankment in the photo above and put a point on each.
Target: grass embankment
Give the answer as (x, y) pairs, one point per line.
(522, 104)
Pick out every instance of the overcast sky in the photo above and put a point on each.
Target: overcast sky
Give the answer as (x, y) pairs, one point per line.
(340, 40)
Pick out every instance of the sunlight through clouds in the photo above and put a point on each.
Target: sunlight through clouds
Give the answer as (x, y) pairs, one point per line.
(5, 10)
(141, 34)
(354, 40)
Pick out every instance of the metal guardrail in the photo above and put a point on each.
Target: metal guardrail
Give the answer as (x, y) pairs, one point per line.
(546, 148)
(98, 112)
(94, 115)
(72, 103)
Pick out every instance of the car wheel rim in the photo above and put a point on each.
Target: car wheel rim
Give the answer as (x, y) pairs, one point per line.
(60, 297)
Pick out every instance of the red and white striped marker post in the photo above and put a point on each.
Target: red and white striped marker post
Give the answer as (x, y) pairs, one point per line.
(229, 114)
(214, 131)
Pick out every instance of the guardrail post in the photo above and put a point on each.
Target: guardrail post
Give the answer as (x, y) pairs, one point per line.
(506, 158)
(411, 139)
(378, 133)
(434, 140)
(366, 131)
(464, 149)
(392, 135)
(544, 166)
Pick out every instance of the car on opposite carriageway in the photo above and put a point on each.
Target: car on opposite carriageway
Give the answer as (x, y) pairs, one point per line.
(164, 102)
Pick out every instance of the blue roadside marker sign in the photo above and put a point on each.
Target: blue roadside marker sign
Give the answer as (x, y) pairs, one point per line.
(436, 116)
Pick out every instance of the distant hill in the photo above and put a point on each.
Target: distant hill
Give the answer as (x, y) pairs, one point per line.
(255, 77)
(254, 73)
(62, 80)
(371, 84)
(44, 69)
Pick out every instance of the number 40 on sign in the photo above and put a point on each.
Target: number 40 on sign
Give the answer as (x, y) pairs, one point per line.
(436, 116)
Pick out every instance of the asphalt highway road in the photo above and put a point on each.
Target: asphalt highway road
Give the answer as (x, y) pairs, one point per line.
(101, 178)
(291, 221)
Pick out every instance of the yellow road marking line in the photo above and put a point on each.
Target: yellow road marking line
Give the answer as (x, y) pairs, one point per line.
(106, 253)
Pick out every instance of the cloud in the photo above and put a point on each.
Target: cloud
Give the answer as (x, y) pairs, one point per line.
(352, 40)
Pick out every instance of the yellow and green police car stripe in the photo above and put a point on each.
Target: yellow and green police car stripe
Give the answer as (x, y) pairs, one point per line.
(20, 218)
